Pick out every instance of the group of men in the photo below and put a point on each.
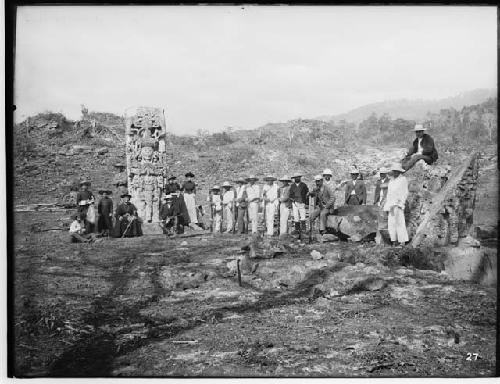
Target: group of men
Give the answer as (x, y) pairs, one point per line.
(239, 207)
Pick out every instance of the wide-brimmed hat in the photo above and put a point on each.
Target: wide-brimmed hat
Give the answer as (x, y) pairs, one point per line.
(83, 202)
(269, 178)
(164, 197)
(173, 178)
(103, 191)
(253, 177)
(397, 167)
(383, 170)
(189, 174)
(419, 127)
(327, 171)
(226, 184)
(215, 188)
(296, 174)
(126, 195)
(318, 178)
(241, 180)
(169, 196)
(285, 178)
(85, 182)
(353, 170)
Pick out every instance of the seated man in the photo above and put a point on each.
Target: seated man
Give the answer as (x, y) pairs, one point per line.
(355, 190)
(77, 230)
(127, 222)
(174, 215)
(422, 149)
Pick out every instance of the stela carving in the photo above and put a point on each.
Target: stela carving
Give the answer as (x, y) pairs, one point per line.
(146, 159)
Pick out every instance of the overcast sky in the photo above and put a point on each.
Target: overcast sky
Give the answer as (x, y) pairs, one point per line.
(214, 67)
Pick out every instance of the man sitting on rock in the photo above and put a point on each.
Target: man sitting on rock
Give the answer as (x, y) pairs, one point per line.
(324, 194)
(127, 222)
(355, 190)
(77, 230)
(423, 148)
(173, 216)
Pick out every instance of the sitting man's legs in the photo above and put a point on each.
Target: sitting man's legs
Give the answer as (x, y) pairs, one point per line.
(409, 161)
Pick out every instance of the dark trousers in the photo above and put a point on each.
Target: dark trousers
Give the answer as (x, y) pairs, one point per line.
(352, 200)
(409, 161)
(242, 220)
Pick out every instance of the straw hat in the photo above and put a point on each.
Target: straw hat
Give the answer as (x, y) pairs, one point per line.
(85, 182)
(253, 177)
(318, 177)
(383, 170)
(397, 167)
(296, 174)
(269, 178)
(353, 170)
(226, 184)
(328, 171)
(285, 178)
(215, 188)
(126, 195)
(419, 127)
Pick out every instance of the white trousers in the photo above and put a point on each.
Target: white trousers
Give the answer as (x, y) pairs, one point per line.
(270, 210)
(228, 214)
(284, 213)
(191, 207)
(217, 221)
(397, 226)
(299, 211)
(253, 210)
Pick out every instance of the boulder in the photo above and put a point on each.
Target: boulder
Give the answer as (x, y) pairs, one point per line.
(354, 222)
(316, 255)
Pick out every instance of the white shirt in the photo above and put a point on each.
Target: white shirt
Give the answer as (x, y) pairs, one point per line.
(228, 197)
(216, 199)
(353, 192)
(75, 227)
(253, 192)
(397, 192)
(420, 149)
(270, 192)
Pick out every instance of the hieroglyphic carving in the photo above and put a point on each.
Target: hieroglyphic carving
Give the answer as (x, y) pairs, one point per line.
(145, 130)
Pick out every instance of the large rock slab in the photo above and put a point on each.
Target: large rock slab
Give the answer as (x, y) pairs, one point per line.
(355, 222)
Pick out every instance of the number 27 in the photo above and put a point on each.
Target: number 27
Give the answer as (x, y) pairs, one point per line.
(470, 355)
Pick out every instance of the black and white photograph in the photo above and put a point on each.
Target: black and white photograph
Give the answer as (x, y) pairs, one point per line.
(252, 191)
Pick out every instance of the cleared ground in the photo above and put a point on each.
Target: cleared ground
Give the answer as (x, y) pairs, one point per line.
(173, 307)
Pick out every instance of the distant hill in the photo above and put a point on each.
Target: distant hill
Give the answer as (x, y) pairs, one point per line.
(413, 109)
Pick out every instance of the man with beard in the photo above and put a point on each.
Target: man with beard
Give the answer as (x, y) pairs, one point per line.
(127, 222)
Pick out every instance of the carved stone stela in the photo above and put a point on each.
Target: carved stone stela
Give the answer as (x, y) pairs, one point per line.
(146, 160)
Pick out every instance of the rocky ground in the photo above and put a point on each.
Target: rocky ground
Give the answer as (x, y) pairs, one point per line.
(173, 307)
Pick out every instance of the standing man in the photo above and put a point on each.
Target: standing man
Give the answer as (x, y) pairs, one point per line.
(105, 213)
(285, 203)
(423, 148)
(241, 205)
(381, 187)
(215, 200)
(228, 205)
(189, 189)
(325, 202)
(253, 196)
(397, 192)
(84, 197)
(355, 190)
(127, 222)
(172, 186)
(298, 195)
(270, 201)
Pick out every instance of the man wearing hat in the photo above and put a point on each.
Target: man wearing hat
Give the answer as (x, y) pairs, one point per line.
(189, 194)
(355, 190)
(325, 202)
(285, 203)
(84, 197)
(269, 201)
(127, 222)
(171, 215)
(298, 195)
(105, 213)
(327, 177)
(241, 205)
(253, 197)
(397, 192)
(381, 187)
(228, 197)
(215, 200)
(172, 186)
(423, 148)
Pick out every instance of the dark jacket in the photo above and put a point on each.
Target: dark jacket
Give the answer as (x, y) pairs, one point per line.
(84, 195)
(428, 147)
(172, 188)
(378, 188)
(298, 193)
(189, 187)
(177, 208)
(359, 190)
(325, 196)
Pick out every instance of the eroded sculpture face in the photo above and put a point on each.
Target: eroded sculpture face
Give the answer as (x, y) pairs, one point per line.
(147, 153)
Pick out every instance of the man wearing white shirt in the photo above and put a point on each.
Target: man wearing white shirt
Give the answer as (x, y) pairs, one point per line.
(253, 197)
(216, 204)
(270, 201)
(227, 203)
(397, 192)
